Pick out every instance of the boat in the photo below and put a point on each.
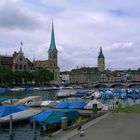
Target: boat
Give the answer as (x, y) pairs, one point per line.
(123, 94)
(2, 99)
(96, 95)
(29, 99)
(9, 109)
(64, 94)
(74, 104)
(36, 88)
(16, 89)
(100, 105)
(52, 119)
(10, 101)
(49, 103)
(107, 94)
(20, 116)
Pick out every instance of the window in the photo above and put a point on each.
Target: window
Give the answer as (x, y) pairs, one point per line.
(24, 67)
(20, 67)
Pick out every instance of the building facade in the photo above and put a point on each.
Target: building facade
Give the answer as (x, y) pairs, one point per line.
(65, 77)
(17, 62)
(85, 75)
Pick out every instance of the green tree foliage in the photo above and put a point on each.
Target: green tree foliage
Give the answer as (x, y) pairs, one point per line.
(7, 77)
(43, 76)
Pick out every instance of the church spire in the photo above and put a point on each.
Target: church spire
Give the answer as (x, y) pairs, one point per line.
(52, 44)
(101, 53)
(101, 61)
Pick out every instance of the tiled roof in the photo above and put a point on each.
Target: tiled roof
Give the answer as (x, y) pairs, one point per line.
(6, 60)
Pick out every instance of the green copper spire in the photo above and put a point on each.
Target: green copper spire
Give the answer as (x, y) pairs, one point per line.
(52, 44)
(101, 53)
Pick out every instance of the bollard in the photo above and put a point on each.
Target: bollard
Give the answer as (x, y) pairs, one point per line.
(34, 129)
(64, 121)
(94, 108)
(10, 129)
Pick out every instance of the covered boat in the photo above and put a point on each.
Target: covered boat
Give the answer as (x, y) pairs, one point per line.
(77, 104)
(62, 105)
(74, 104)
(51, 118)
(107, 94)
(20, 116)
(134, 94)
(90, 104)
(123, 94)
(9, 109)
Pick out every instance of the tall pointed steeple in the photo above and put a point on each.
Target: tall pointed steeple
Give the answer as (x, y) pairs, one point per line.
(52, 53)
(52, 44)
(101, 53)
(101, 61)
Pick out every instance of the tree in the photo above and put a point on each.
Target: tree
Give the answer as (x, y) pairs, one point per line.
(43, 76)
(6, 75)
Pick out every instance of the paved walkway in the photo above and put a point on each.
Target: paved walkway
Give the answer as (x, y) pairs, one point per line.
(118, 126)
(115, 126)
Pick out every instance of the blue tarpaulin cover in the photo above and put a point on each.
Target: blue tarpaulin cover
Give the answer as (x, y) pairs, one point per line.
(41, 116)
(54, 117)
(9, 109)
(63, 104)
(75, 104)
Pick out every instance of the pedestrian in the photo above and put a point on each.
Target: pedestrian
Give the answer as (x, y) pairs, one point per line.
(117, 102)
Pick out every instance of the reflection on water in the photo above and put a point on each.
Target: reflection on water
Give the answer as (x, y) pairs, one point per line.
(25, 131)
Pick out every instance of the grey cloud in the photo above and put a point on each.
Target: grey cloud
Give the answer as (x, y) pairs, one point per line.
(13, 15)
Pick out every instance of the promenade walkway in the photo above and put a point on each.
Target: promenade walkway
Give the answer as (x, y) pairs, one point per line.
(111, 126)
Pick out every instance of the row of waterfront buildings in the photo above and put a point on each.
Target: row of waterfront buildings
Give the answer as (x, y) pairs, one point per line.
(18, 62)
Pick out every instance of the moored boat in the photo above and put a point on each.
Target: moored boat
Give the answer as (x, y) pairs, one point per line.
(29, 99)
(19, 116)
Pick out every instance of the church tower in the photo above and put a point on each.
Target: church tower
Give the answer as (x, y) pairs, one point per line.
(53, 58)
(101, 61)
(52, 52)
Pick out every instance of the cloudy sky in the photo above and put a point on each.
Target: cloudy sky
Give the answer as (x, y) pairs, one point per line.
(81, 27)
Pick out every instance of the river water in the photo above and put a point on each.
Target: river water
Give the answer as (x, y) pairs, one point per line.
(25, 131)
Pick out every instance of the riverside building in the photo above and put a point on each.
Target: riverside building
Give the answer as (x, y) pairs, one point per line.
(18, 62)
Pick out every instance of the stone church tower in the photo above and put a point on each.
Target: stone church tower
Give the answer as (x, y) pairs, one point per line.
(52, 52)
(53, 57)
(101, 61)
